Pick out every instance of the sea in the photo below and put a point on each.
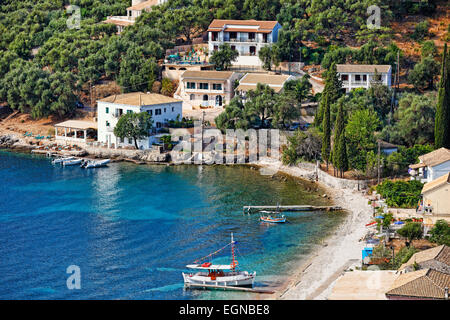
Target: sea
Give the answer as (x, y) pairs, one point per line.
(128, 231)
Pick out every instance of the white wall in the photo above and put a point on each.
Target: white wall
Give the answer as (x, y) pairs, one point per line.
(438, 171)
(106, 134)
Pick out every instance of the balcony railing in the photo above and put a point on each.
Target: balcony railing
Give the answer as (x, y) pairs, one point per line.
(239, 40)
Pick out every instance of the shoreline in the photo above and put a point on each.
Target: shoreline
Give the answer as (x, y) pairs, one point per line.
(315, 276)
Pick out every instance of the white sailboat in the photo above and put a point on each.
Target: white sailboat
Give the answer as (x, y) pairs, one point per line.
(212, 275)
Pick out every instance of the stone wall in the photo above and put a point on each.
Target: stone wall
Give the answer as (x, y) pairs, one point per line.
(152, 155)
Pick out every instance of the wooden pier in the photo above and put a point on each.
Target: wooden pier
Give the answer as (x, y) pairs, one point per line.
(250, 209)
(210, 286)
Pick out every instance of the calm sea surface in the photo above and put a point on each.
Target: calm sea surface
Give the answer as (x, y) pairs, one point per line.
(132, 229)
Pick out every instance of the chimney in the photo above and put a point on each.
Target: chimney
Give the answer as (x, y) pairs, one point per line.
(446, 293)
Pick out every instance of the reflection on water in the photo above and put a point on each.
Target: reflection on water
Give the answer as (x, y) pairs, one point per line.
(132, 229)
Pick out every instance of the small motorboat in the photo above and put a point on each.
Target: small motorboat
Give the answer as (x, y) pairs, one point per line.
(218, 276)
(272, 217)
(95, 164)
(62, 159)
(73, 162)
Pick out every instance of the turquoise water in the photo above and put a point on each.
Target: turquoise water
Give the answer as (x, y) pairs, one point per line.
(132, 229)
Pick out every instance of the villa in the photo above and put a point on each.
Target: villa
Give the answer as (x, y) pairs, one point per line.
(110, 109)
(207, 88)
(251, 80)
(133, 12)
(431, 166)
(245, 36)
(362, 75)
(436, 199)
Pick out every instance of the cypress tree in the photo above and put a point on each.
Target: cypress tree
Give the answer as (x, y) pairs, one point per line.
(339, 158)
(342, 153)
(333, 88)
(326, 130)
(442, 119)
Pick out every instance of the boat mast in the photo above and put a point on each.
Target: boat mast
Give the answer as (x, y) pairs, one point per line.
(233, 263)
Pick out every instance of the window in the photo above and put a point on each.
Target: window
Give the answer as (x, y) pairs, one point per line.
(217, 86)
(205, 97)
(150, 112)
(204, 86)
(107, 110)
(121, 140)
(159, 125)
(357, 77)
(107, 123)
(192, 97)
(216, 48)
(190, 85)
(165, 110)
(129, 111)
(173, 109)
(344, 77)
(157, 112)
(218, 101)
(364, 77)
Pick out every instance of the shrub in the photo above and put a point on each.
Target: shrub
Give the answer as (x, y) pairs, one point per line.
(412, 230)
(421, 30)
(400, 194)
(440, 233)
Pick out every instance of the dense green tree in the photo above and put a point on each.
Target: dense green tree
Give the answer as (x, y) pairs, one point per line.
(440, 233)
(424, 74)
(411, 231)
(223, 57)
(300, 88)
(302, 146)
(413, 120)
(360, 130)
(269, 56)
(134, 126)
(136, 72)
(261, 105)
(442, 123)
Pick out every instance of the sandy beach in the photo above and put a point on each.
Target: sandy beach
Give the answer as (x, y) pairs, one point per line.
(340, 251)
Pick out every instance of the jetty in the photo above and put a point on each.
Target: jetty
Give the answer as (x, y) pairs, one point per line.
(253, 290)
(250, 209)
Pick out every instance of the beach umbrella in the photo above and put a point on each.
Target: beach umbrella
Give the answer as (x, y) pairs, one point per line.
(379, 217)
(399, 222)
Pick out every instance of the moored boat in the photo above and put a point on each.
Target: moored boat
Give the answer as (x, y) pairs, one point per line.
(95, 164)
(62, 159)
(72, 162)
(216, 275)
(272, 217)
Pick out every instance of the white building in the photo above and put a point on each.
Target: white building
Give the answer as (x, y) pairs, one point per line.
(110, 109)
(207, 88)
(251, 80)
(133, 12)
(245, 36)
(431, 166)
(362, 75)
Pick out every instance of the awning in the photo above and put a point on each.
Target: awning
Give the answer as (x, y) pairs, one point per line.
(417, 165)
(78, 124)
